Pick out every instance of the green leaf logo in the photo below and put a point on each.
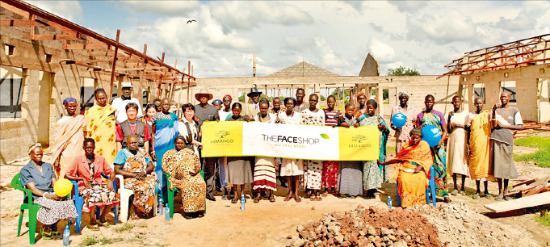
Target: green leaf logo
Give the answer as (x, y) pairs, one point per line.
(325, 136)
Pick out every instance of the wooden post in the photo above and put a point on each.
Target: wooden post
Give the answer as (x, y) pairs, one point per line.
(141, 73)
(160, 78)
(188, 81)
(114, 66)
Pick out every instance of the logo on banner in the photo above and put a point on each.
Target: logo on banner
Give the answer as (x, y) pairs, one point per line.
(222, 137)
(359, 141)
(292, 141)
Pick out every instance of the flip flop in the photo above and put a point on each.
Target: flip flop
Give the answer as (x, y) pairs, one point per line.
(234, 201)
(454, 192)
(256, 200)
(475, 196)
(104, 224)
(319, 198)
(462, 192)
(272, 198)
(498, 198)
(94, 227)
(299, 199)
(46, 235)
(325, 194)
(56, 235)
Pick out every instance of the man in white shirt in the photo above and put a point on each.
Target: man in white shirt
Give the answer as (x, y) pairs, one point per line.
(120, 103)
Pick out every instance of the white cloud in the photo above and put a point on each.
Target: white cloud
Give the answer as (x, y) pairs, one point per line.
(70, 9)
(171, 8)
(383, 52)
(442, 27)
(246, 15)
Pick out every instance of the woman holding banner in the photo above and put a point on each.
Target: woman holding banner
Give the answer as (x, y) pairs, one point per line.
(313, 168)
(291, 168)
(373, 174)
(265, 169)
(351, 172)
(239, 171)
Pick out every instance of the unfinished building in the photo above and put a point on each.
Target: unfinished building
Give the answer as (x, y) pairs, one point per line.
(46, 59)
(521, 67)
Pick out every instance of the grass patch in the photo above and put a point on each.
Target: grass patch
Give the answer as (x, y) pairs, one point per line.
(542, 156)
(125, 227)
(138, 238)
(544, 219)
(105, 240)
(89, 240)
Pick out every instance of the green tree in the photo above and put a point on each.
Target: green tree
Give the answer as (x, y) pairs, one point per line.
(402, 71)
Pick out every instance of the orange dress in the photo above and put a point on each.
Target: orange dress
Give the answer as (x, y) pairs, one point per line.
(412, 186)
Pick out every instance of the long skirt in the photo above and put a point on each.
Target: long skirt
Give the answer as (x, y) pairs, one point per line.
(440, 169)
(412, 188)
(223, 171)
(457, 161)
(372, 177)
(193, 194)
(239, 170)
(99, 196)
(330, 173)
(292, 167)
(265, 176)
(312, 175)
(144, 192)
(351, 178)
(503, 161)
(53, 211)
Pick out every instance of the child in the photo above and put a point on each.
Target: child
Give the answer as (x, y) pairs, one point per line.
(331, 168)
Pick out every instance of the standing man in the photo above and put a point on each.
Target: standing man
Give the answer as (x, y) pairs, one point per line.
(402, 134)
(207, 112)
(120, 103)
(252, 108)
(300, 103)
(505, 119)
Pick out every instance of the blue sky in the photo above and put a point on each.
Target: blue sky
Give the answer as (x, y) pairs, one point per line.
(335, 35)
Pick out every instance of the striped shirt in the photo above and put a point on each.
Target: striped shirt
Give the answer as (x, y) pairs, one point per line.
(331, 118)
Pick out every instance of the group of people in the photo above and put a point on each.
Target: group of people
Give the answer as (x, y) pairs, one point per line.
(148, 147)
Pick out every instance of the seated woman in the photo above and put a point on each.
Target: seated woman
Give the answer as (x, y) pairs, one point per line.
(412, 167)
(40, 178)
(138, 176)
(87, 170)
(184, 168)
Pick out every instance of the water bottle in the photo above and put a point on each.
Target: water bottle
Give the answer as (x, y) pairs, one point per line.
(389, 202)
(161, 205)
(242, 202)
(66, 235)
(167, 213)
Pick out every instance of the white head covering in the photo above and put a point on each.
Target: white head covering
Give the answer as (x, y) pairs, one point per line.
(404, 93)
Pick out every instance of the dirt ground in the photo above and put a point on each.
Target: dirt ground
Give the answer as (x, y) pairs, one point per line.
(262, 224)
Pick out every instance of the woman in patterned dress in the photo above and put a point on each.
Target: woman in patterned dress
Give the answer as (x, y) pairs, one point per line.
(373, 174)
(265, 170)
(291, 168)
(101, 126)
(331, 168)
(313, 168)
(138, 174)
(436, 118)
(184, 168)
(39, 177)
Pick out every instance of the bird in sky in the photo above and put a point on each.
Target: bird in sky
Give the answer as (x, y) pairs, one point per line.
(190, 21)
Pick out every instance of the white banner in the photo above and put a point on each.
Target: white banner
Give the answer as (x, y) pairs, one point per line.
(296, 141)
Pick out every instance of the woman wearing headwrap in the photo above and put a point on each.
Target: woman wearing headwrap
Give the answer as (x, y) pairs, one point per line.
(362, 109)
(69, 135)
(402, 134)
(101, 126)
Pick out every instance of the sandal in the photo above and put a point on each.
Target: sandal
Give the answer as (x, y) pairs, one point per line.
(94, 227)
(454, 192)
(319, 198)
(298, 199)
(234, 201)
(257, 199)
(462, 192)
(498, 198)
(272, 198)
(325, 194)
(134, 217)
(104, 224)
(312, 198)
(475, 196)
(488, 196)
(56, 235)
(46, 235)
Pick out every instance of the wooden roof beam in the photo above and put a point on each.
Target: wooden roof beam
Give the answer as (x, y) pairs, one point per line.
(20, 23)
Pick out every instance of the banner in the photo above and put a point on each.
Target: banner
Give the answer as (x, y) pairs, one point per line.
(232, 138)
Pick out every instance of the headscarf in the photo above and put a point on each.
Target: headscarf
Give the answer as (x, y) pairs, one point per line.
(217, 101)
(227, 95)
(403, 93)
(33, 146)
(69, 100)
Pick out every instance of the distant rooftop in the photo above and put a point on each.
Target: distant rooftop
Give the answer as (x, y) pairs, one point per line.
(303, 69)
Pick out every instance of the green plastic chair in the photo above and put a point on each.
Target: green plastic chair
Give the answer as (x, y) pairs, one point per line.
(27, 204)
(172, 193)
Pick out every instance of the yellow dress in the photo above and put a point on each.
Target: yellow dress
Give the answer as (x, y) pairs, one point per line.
(101, 126)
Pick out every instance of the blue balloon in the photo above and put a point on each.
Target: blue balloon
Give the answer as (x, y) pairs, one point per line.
(399, 120)
(431, 134)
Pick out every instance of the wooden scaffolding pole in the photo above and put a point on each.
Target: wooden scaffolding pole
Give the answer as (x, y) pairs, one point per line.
(114, 66)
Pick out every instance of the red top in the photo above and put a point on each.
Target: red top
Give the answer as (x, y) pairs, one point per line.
(80, 166)
(133, 127)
